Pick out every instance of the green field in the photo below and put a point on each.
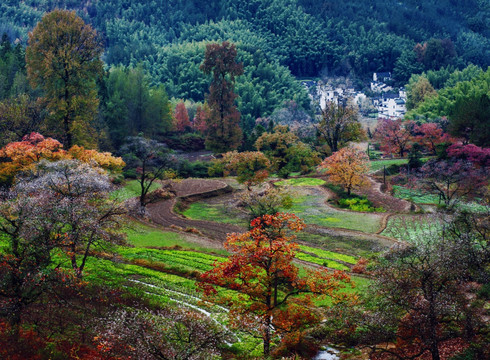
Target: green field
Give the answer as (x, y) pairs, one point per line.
(310, 207)
(416, 196)
(320, 261)
(412, 228)
(313, 210)
(139, 235)
(130, 190)
(301, 182)
(178, 260)
(215, 212)
(379, 164)
(329, 254)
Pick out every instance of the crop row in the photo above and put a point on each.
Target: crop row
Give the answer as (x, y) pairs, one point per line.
(187, 260)
(319, 261)
(329, 254)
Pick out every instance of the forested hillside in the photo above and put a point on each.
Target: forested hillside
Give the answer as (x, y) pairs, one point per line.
(349, 37)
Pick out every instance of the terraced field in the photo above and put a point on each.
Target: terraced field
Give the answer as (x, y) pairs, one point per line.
(309, 203)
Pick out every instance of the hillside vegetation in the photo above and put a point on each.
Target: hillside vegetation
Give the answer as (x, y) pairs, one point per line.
(305, 36)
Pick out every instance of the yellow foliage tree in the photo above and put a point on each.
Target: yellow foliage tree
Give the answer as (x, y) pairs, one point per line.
(63, 59)
(250, 167)
(348, 168)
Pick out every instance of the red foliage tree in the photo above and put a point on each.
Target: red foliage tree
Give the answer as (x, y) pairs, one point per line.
(451, 180)
(181, 118)
(199, 121)
(394, 136)
(430, 135)
(272, 298)
(480, 157)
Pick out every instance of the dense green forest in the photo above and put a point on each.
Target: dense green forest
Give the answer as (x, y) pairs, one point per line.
(309, 37)
(152, 53)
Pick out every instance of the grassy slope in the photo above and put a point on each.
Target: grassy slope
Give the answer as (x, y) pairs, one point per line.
(301, 182)
(130, 189)
(313, 210)
(378, 164)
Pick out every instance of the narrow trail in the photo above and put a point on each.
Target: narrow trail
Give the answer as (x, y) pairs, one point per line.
(192, 190)
(387, 201)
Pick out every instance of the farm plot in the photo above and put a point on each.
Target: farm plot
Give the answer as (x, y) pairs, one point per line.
(301, 182)
(329, 254)
(179, 260)
(308, 204)
(416, 196)
(412, 228)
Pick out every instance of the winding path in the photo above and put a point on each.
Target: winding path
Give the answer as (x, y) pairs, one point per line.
(387, 201)
(192, 190)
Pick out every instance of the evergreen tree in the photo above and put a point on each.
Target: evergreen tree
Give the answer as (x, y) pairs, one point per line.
(224, 132)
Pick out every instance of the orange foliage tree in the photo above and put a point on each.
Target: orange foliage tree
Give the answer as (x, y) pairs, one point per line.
(348, 168)
(271, 299)
(250, 167)
(21, 155)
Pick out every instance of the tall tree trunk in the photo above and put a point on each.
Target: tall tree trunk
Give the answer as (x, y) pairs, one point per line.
(267, 337)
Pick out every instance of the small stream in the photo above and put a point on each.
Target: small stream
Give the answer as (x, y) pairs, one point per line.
(327, 354)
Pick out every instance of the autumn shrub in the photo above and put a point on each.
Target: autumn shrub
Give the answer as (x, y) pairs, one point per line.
(360, 266)
(21, 344)
(193, 230)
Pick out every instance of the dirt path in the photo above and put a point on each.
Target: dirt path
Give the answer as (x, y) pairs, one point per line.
(162, 212)
(387, 201)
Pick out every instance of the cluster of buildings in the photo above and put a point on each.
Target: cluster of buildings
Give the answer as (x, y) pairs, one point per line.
(386, 102)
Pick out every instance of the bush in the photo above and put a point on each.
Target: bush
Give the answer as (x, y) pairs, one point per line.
(484, 291)
(185, 142)
(374, 155)
(471, 353)
(197, 169)
(117, 179)
(360, 204)
(394, 169)
(130, 173)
